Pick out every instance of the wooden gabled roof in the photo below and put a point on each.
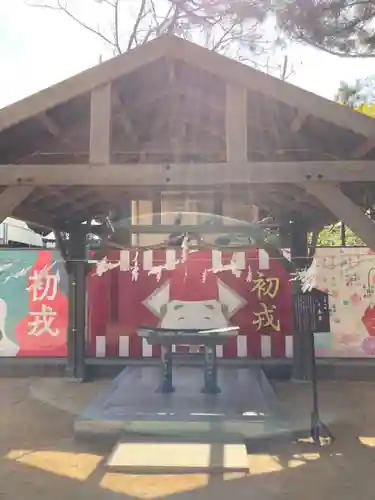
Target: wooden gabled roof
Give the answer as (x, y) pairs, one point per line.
(196, 56)
(285, 123)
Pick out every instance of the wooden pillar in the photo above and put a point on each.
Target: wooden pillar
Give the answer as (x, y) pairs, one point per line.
(77, 272)
(100, 125)
(236, 123)
(301, 344)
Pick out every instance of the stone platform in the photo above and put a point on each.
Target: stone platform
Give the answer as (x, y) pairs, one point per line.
(130, 406)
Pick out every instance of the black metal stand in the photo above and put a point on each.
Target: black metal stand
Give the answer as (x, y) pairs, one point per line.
(166, 385)
(76, 338)
(210, 371)
(319, 431)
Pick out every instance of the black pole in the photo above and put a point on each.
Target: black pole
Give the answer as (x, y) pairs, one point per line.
(301, 344)
(166, 382)
(315, 410)
(77, 271)
(319, 430)
(210, 371)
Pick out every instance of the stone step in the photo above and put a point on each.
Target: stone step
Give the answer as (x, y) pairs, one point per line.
(166, 457)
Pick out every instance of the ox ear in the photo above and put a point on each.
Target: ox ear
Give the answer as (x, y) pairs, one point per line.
(229, 299)
(157, 301)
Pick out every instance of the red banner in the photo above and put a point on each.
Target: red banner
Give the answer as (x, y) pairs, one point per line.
(202, 289)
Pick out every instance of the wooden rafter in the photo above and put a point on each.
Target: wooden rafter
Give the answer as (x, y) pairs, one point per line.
(364, 148)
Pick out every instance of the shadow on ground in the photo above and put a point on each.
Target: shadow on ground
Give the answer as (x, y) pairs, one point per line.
(40, 459)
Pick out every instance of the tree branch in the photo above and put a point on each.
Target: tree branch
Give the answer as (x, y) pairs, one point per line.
(116, 25)
(63, 8)
(136, 24)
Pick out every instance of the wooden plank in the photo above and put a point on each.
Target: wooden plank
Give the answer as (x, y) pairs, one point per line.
(187, 175)
(345, 210)
(100, 125)
(236, 123)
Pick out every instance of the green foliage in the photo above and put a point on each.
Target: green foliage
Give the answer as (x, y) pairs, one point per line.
(340, 27)
(331, 236)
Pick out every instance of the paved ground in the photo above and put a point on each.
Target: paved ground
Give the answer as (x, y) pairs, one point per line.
(39, 459)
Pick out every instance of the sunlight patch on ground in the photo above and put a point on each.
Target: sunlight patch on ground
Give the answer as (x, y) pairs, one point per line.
(265, 464)
(367, 441)
(149, 486)
(73, 465)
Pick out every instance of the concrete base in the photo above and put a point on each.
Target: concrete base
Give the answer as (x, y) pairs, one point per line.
(177, 458)
(246, 408)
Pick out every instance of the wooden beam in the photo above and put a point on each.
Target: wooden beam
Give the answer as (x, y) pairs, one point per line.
(236, 123)
(245, 228)
(187, 175)
(364, 148)
(11, 198)
(100, 125)
(345, 210)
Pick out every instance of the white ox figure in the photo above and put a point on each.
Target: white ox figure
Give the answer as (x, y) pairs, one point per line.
(214, 312)
(7, 347)
(346, 274)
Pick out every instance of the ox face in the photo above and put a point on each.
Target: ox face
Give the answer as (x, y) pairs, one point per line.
(195, 315)
(7, 347)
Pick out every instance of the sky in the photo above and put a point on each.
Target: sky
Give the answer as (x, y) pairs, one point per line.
(40, 47)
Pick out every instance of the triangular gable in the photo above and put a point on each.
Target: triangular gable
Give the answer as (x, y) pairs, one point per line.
(194, 55)
(83, 82)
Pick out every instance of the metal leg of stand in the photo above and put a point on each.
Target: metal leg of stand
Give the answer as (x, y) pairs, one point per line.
(210, 371)
(318, 429)
(166, 370)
